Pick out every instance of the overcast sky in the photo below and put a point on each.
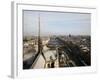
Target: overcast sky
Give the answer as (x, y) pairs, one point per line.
(56, 23)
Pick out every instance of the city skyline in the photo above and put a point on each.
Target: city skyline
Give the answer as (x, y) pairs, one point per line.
(56, 23)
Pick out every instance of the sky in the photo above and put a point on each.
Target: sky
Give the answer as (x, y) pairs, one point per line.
(56, 23)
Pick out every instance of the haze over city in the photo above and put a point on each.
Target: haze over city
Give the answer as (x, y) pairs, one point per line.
(56, 23)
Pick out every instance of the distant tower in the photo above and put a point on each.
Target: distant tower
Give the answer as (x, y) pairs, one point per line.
(69, 35)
